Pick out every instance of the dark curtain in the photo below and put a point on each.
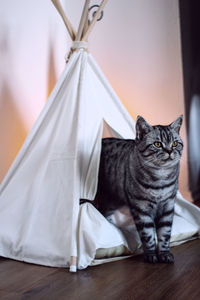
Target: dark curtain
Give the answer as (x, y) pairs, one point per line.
(190, 40)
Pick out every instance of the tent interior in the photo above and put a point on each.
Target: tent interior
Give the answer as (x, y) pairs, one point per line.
(41, 220)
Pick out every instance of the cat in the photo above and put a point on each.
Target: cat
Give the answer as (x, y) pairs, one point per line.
(143, 175)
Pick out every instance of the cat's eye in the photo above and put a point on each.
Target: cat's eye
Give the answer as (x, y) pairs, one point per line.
(157, 144)
(174, 144)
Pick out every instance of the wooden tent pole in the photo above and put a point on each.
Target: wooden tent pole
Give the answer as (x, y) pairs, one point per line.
(97, 14)
(82, 21)
(68, 25)
(86, 24)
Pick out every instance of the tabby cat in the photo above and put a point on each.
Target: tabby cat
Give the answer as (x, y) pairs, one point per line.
(143, 174)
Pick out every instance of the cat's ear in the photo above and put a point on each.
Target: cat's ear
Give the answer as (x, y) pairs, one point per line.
(142, 127)
(176, 125)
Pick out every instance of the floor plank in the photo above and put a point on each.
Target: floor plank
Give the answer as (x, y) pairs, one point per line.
(6, 295)
(124, 280)
(18, 276)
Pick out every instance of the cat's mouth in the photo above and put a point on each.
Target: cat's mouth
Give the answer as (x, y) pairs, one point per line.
(170, 157)
(168, 160)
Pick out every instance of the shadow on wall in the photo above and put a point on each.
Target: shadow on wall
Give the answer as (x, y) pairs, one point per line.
(12, 129)
(52, 77)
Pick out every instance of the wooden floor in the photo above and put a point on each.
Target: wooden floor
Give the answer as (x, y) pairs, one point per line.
(122, 280)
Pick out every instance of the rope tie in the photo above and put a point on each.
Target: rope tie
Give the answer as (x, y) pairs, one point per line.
(79, 45)
(76, 46)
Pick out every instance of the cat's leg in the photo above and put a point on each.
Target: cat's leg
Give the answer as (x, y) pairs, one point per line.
(163, 227)
(146, 229)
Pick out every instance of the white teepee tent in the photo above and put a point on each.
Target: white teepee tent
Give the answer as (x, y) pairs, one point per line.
(40, 217)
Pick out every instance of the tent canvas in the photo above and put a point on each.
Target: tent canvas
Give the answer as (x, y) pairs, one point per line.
(40, 217)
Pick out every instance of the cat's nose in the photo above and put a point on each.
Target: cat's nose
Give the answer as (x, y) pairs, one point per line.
(168, 150)
(170, 153)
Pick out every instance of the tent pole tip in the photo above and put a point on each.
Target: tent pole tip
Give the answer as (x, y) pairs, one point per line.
(73, 264)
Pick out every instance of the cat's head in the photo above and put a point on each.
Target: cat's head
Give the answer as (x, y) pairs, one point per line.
(159, 145)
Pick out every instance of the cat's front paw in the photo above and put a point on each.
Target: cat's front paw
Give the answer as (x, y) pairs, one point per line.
(150, 257)
(165, 257)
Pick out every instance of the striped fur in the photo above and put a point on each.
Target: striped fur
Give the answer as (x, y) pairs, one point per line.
(144, 176)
